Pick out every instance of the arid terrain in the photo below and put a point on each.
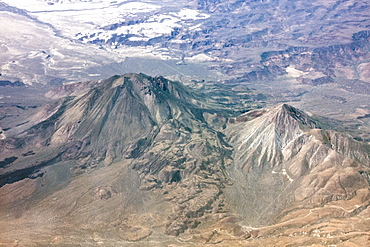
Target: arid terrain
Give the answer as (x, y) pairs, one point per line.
(184, 123)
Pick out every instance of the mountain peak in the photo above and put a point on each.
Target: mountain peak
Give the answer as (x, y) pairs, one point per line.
(132, 80)
(261, 144)
(149, 121)
(284, 115)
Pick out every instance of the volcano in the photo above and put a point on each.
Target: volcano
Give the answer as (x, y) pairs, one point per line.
(137, 160)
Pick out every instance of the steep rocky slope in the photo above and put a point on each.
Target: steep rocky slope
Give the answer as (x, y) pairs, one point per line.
(137, 158)
(153, 122)
(286, 154)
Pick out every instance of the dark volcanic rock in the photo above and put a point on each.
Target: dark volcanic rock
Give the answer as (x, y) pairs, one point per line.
(12, 84)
